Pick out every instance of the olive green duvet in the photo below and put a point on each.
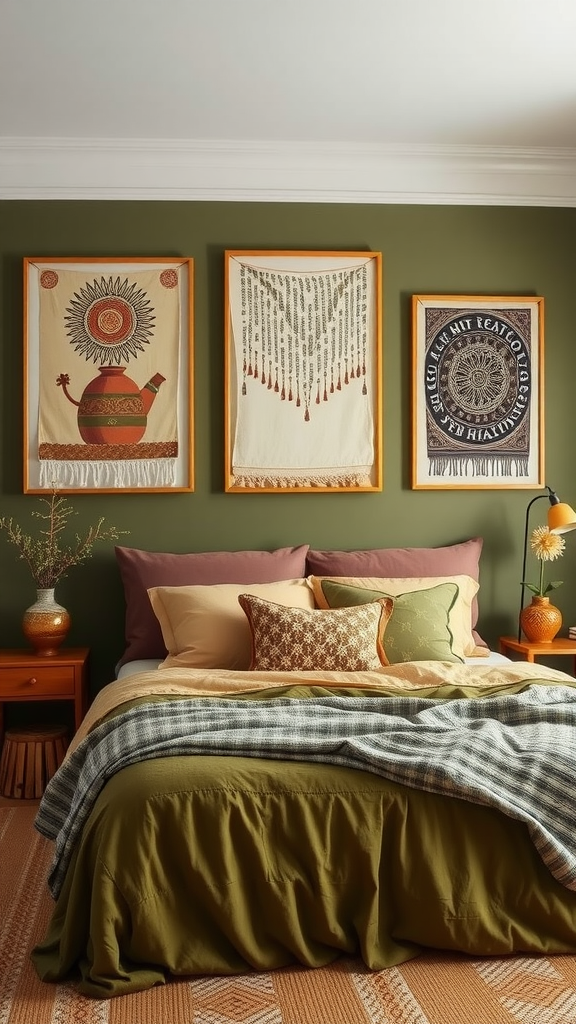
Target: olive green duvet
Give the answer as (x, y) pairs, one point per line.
(211, 864)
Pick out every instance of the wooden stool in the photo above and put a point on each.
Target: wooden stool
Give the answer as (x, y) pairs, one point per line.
(29, 759)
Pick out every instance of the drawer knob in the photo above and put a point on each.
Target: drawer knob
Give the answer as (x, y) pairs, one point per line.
(32, 681)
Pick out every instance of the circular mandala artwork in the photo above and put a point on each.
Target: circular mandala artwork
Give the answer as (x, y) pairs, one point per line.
(479, 378)
(48, 279)
(110, 320)
(169, 278)
(478, 383)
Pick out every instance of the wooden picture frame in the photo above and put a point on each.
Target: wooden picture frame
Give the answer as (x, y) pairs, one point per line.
(90, 327)
(477, 392)
(303, 371)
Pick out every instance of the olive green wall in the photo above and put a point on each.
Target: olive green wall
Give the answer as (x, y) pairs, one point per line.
(426, 249)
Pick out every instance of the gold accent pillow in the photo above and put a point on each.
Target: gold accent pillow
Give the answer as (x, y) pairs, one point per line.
(295, 639)
(205, 627)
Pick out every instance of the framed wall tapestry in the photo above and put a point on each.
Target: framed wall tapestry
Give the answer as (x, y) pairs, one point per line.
(108, 374)
(477, 392)
(303, 336)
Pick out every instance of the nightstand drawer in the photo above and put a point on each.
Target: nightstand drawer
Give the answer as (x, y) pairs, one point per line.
(45, 680)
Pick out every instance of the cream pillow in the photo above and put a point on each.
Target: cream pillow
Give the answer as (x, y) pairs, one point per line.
(459, 617)
(205, 627)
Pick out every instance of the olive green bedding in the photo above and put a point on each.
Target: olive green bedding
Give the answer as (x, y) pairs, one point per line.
(225, 864)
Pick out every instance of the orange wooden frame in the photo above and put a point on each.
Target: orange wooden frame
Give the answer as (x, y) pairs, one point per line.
(276, 423)
(477, 392)
(106, 319)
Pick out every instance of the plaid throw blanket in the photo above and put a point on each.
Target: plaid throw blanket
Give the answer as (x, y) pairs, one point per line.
(515, 752)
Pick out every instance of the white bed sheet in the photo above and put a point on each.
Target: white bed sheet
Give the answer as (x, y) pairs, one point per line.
(148, 665)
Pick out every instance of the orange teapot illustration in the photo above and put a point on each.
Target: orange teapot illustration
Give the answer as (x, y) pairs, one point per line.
(113, 409)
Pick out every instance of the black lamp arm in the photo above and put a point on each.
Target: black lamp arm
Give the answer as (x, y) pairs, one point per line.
(554, 500)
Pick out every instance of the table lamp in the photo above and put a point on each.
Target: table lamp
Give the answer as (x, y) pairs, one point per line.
(561, 519)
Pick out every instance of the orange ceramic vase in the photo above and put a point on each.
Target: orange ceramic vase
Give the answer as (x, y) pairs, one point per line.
(540, 620)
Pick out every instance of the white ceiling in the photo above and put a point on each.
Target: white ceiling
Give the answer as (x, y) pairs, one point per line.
(377, 100)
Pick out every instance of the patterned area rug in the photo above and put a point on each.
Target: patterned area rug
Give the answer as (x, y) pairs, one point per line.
(434, 989)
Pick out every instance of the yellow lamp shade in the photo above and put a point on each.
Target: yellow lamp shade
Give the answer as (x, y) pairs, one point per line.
(561, 518)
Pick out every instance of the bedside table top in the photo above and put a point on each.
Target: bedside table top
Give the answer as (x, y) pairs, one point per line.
(12, 656)
(560, 645)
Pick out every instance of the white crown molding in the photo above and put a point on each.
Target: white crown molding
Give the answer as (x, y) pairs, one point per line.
(226, 171)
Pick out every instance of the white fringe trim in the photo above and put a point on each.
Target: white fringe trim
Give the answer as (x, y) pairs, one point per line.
(359, 477)
(120, 473)
(478, 465)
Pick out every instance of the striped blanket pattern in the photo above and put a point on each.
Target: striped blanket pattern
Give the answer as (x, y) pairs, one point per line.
(514, 752)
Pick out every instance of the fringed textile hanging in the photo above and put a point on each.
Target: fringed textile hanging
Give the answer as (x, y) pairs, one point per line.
(304, 335)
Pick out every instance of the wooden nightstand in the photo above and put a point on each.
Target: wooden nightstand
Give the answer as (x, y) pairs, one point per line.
(529, 651)
(25, 676)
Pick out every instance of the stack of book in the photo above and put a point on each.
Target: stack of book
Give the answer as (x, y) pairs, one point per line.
(572, 632)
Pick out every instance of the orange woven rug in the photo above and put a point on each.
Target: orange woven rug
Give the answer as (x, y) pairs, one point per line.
(434, 989)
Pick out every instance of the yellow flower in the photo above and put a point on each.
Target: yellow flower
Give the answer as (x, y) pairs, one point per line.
(546, 545)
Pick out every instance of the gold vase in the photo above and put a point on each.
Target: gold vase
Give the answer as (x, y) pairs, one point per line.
(540, 620)
(45, 623)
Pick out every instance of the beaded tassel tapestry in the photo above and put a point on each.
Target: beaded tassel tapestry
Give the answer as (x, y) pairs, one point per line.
(477, 392)
(303, 385)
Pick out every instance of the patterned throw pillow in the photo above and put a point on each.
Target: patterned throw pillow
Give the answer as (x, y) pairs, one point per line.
(298, 639)
(419, 626)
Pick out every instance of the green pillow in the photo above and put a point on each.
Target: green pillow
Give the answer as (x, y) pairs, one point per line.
(418, 628)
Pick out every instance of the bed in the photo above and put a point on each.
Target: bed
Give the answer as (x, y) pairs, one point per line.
(308, 754)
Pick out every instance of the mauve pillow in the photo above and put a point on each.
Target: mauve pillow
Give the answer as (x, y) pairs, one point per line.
(141, 570)
(451, 560)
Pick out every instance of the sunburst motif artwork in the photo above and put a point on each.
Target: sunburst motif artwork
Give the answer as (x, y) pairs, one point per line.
(110, 320)
(108, 374)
